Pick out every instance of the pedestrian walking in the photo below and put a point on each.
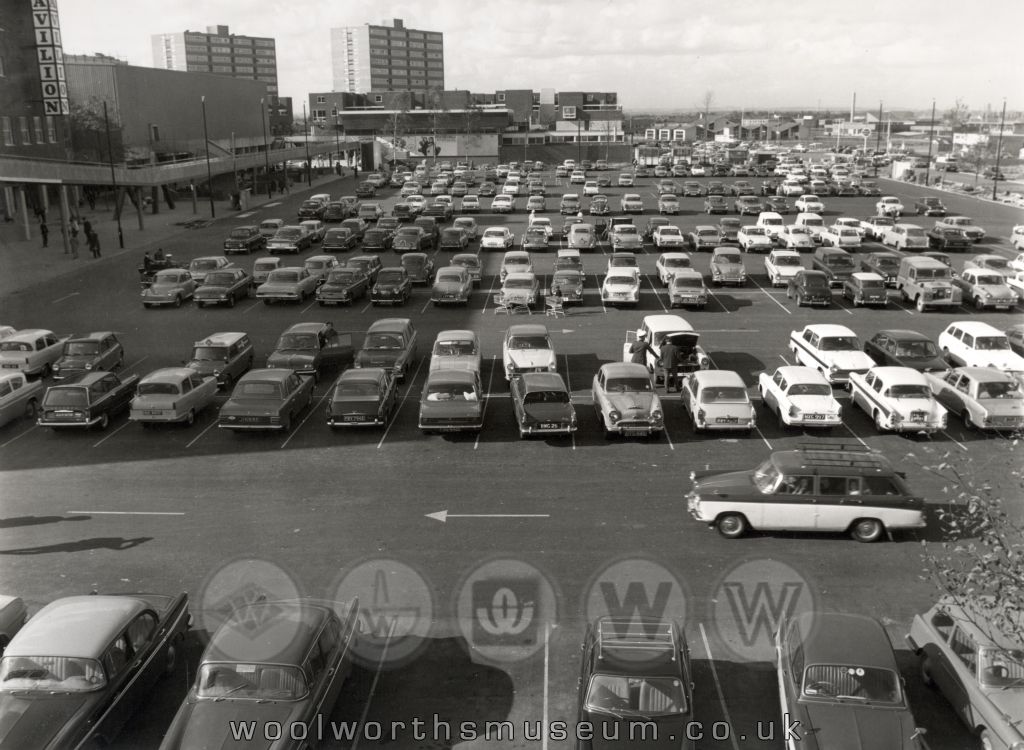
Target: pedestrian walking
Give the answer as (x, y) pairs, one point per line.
(94, 244)
(670, 363)
(87, 229)
(44, 231)
(355, 171)
(73, 239)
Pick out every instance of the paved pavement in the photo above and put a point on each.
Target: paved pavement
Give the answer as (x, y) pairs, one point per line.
(26, 263)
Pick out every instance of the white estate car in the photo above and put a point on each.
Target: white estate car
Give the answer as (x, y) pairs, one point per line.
(1017, 241)
(669, 264)
(832, 350)
(31, 351)
(771, 222)
(889, 205)
(669, 236)
(658, 328)
(527, 348)
(752, 239)
(496, 238)
(840, 236)
(968, 343)
(172, 394)
(795, 238)
(985, 398)
(620, 287)
(781, 266)
(717, 400)
(1016, 283)
(625, 400)
(800, 396)
(898, 399)
(456, 349)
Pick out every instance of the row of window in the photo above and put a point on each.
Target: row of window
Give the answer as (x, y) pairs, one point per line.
(27, 130)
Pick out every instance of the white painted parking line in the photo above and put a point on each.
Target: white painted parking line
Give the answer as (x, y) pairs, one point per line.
(367, 306)
(854, 435)
(125, 513)
(246, 215)
(315, 408)
(250, 307)
(19, 435)
(568, 386)
(904, 308)
(425, 306)
(718, 301)
(136, 363)
(718, 685)
(656, 293)
(66, 296)
(761, 434)
(271, 205)
(599, 295)
(194, 440)
(772, 298)
(950, 437)
(107, 437)
(401, 403)
(841, 306)
(487, 400)
(307, 307)
(373, 685)
(671, 445)
(489, 295)
(784, 359)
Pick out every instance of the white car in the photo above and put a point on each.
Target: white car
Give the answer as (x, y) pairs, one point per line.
(985, 398)
(623, 263)
(620, 287)
(833, 350)
(790, 188)
(658, 328)
(687, 288)
(669, 264)
(969, 343)
(578, 177)
(812, 222)
(752, 239)
(468, 225)
(809, 203)
(697, 170)
(782, 265)
(31, 351)
(1016, 283)
(172, 394)
(317, 229)
(986, 288)
(668, 236)
(543, 222)
(456, 349)
(794, 237)
(497, 238)
(1017, 240)
(590, 187)
(516, 261)
(850, 222)
(527, 348)
(771, 222)
(965, 224)
(898, 399)
(875, 227)
(631, 203)
(717, 400)
(625, 400)
(889, 205)
(520, 288)
(800, 397)
(503, 204)
(840, 236)
(905, 237)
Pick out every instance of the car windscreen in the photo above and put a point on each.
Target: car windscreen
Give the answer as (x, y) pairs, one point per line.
(622, 385)
(383, 341)
(355, 390)
(257, 389)
(677, 263)
(342, 277)
(641, 696)
(621, 281)
(786, 260)
(288, 234)
(451, 392)
(991, 280)
(546, 397)
(991, 342)
(297, 341)
(454, 348)
(202, 265)
(220, 279)
(909, 391)
(720, 394)
(240, 234)
(158, 389)
(839, 344)
(529, 342)
(494, 233)
(81, 348)
(392, 277)
(810, 389)
(728, 259)
(841, 681)
(51, 674)
(337, 234)
(251, 681)
(65, 396)
(283, 277)
(687, 282)
(933, 273)
(518, 283)
(872, 284)
(209, 354)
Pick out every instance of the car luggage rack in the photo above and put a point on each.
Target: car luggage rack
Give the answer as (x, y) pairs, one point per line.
(609, 635)
(840, 453)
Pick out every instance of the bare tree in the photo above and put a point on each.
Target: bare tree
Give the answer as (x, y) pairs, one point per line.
(706, 101)
(398, 124)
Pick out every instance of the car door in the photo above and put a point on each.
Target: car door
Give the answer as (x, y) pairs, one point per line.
(794, 505)
(958, 665)
(338, 351)
(118, 393)
(955, 388)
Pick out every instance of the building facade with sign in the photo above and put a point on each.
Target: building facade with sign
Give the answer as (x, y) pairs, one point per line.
(33, 88)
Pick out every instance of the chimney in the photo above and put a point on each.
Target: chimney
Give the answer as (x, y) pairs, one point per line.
(398, 23)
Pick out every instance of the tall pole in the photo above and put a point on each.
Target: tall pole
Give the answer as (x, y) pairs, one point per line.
(209, 171)
(266, 146)
(579, 142)
(931, 137)
(878, 128)
(113, 177)
(305, 127)
(999, 151)
(337, 139)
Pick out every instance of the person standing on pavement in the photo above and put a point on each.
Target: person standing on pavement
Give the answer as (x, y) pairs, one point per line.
(94, 243)
(670, 363)
(44, 232)
(73, 240)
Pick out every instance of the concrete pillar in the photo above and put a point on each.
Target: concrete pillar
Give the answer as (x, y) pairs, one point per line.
(65, 218)
(75, 200)
(195, 202)
(23, 212)
(8, 202)
(138, 205)
(44, 194)
(154, 193)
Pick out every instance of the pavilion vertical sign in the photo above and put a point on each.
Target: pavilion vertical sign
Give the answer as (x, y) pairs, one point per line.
(50, 56)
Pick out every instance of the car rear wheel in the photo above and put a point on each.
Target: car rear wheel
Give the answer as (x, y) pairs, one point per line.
(170, 661)
(31, 408)
(190, 418)
(919, 303)
(867, 530)
(968, 422)
(732, 525)
(104, 422)
(231, 301)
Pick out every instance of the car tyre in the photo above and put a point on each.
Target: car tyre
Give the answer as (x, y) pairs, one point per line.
(31, 408)
(177, 301)
(104, 422)
(979, 304)
(968, 422)
(170, 661)
(986, 740)
(867, 530)
(190, 418)
(732, 525)
(231, 301)
(926, 672)
(46, 372)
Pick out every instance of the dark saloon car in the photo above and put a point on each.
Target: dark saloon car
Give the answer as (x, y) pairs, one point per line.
(454, 239)
(245, 239)
(89, 401)
(775, 203)
(392, 287)
(885, 263)
(81, 666)
(342, 286)
(636, 671)
(311, 209)
(900, 348)
(338, 239)
(366, 190)
(376, 241)
(838, 679)
(336, 211)
(419, 266)
(368, 264)
(224, 287)
(452, 286)
(362, 398)
(266, 400)
(311, 348)
(542, 404)
(97, 351)
(471, 262)
(809, 288)
(411, 240)
(277, 663)
(451, 401)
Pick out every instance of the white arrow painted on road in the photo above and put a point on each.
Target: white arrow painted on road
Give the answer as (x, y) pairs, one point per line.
(443, 515)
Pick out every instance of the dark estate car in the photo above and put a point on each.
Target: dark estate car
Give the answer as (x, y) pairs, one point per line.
(77, 671)
(90, 400)
(336, 211)
(948, 238)
(338, 239)
(342, 286)
(419, 266)
(929, 206)
(635, 670)
(542, 404)
(776, 204)
(311, 348)
(900, 348)
(430, 227)
(361, 398)
(392, 287)
(245, 239)
(837, 264)
(809, 288)
(390, 343)
(376, 241)
(885, 263)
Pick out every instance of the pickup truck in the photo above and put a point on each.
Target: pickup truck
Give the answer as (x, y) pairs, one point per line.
(929, 207)
(947, 238)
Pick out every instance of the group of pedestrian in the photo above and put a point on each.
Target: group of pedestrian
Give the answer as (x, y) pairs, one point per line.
(74, 229)
(667, 359)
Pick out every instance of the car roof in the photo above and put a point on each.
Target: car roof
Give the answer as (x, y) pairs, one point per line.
(801, 373)
(903, 375)
(325, 257)
(710, 227)
(457, 375)
(691, 273)
(362, 374)
(719, 377)
(658, 323)
(975, 327)
(904, 334)
(225, 338)
(866, 276)
(637, 645)
(624, 369)
(830, 329)
(724, 250)
(287, 633)
(528, 329)
(389, 324)
(520, 276)
(76, 626)
(828, 637)
(310, 327)
(278, 374)
(456, 334)
(843, 458)
(669, 256)
(169, 375)
(92, 336)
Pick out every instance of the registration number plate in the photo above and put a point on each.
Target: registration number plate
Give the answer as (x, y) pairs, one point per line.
(635, 431)
(814, 416)
(549, 425)
(10, 367)
(353, 418)
(726, 420)
(153, 412)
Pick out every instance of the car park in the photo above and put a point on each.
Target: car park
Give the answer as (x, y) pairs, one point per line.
(287, 284)
(171, 286)
(799, 397)
(245, 239)
(970, 343)
(985, 289)
(625, 401)
(833, 350)
(368, 265)
(366, 397)
(897, 399)
(727, 267)
(452, 285)
(456, 350)
(389, 343)
(983, 397)
(839, 488)
(927, 282)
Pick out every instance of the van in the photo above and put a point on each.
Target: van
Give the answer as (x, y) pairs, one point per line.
(813, 223)
(771, 222)
(927, 282)
(225, 356)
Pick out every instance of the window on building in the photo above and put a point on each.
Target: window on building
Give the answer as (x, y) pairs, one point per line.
(377, 98)
(320, 114)
(220, 50)
(220, 59)
(8, 132)
(51, 129)
(434, 45)
(201, 59)
(501, 97)
(244, 69)
(264, 42)
(221, 69)
(220, 40)
(397, 42)
(26, 135)
(195, 48)
(435, 55)
(37, 125)
(321, 100)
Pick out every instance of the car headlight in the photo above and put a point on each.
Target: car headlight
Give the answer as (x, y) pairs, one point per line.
(56, 366)
(794, 412)
(657, 415)
(833, 368)
(614, 416)
(88, 366)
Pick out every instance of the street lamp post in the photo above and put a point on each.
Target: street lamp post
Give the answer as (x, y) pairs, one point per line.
(113, 178)
(305, 127)
(999, 151)
(931, 137)
(266, 146)
(337, 140)
(579, 143)
(209, 171)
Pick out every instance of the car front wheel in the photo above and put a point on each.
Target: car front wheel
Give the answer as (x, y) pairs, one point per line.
(732, 525)
(867, 530)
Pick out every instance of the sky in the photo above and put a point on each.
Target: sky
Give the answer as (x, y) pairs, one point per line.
(665, 54)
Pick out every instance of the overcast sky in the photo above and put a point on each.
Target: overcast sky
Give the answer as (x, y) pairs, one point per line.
(658, 53)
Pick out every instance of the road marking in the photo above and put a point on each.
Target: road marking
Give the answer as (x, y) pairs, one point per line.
(784, 359)
(547, 677)
(66, 296)
(964, 447)
(487, 400)
(718, 684)
(271, 205)
(312, 411)
(841, 306)
(401, 403)
(136, 363)
(22, 434)
(110, 435)
(854, 434)
(772, 298)
(250, 307)
(373, 685)
(367, 306)
(568, 386)
(717, 301)
(306, 308)
(758, 429)
(600, 296)
(425, 306)
(246, 215)
(125, 513)
(907, 310)
(671, 445)
(444, 515)
(490, 294)
(207, 429)
(656, 294)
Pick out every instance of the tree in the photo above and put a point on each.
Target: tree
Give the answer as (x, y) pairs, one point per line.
(88, 131)
(706, 101)
(979, 562)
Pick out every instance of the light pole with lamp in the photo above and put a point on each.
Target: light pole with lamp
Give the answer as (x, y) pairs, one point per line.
(266, 146)
(209, 171)
(999, 152)
(113, 178)
(305, 128)
(337, 140)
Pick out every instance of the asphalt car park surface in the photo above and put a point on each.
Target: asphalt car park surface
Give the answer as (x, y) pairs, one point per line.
(164, 509)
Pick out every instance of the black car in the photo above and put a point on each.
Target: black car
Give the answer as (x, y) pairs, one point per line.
(885, 263)
(901, 348)
(366, 190)
(412, 240)
(430, 228)
(809, 288)
(775, 203)
(438, 210)
(454, 238)
(376, 240)
(337, 239)
(929, 206)
(246, 239)
(311, 210)
(635, 669)
(335, 212)
(393, 287)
